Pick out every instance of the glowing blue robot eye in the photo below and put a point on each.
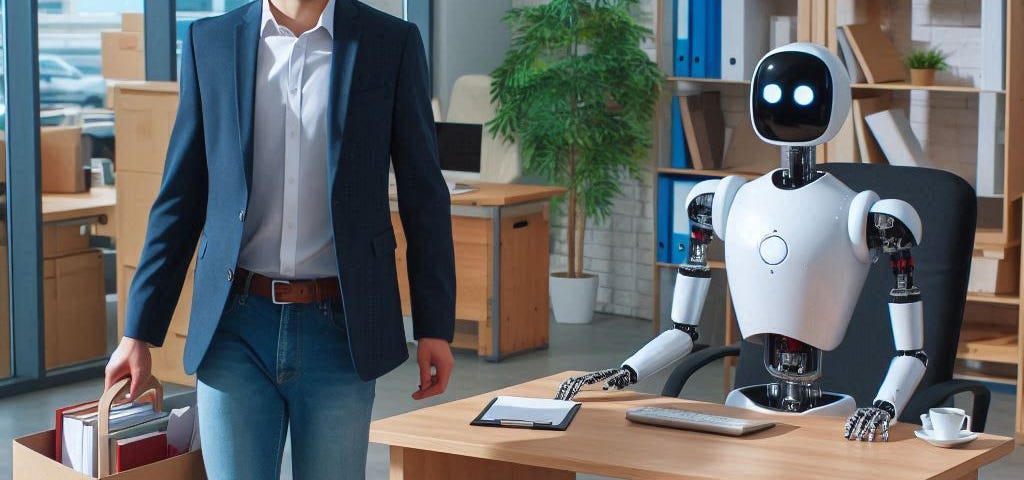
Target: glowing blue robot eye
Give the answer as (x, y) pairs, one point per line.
(803, 95)
(772, 93)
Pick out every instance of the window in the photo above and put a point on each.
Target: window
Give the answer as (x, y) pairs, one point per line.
(6, 354)
(85, 48)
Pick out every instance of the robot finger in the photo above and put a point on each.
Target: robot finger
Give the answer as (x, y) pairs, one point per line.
(569, 388)
(874, 426)
(856, 424)
(850, 423)
(885, 431)
(863, 425)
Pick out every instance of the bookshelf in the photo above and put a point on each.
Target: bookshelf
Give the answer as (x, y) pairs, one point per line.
(999, 101)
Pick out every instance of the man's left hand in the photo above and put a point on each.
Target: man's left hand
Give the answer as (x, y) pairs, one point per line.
(433, 354)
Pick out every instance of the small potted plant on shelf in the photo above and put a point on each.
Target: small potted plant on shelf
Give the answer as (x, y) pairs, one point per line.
(578, 93)
(923, 64)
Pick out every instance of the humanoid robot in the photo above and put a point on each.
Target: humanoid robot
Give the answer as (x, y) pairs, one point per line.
(798, 247)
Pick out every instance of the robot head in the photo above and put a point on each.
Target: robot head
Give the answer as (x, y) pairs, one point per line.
(799, 96)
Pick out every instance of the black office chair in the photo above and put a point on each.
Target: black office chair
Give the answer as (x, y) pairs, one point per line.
(948, 209)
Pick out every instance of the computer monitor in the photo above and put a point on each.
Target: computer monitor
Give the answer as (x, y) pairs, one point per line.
(459, 146)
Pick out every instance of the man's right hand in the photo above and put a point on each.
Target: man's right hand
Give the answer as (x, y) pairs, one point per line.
(130, 359)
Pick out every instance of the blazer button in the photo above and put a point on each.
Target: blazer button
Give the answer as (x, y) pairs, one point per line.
(231, 274)
(241, 215)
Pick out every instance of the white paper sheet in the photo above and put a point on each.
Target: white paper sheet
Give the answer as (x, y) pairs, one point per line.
(536, 410)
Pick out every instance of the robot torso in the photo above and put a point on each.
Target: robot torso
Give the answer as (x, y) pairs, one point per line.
(790, 260)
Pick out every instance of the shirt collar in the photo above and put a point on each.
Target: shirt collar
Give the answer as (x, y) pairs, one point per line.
(326, 18)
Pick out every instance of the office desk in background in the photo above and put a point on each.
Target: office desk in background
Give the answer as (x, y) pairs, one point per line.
(438, 442)
(74, 301)
(501, 234)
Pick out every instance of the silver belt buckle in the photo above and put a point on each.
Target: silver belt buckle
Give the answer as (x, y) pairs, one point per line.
(273, 291)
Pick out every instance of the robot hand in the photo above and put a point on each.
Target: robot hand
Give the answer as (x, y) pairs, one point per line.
(614, 378)
(865, 423)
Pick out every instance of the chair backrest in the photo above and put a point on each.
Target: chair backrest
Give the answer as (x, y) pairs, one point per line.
(471, 103)
(948, 208)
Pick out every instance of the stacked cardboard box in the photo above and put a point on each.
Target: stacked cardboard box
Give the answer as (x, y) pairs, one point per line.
(62, 155)
(145, 113)
(123, 53)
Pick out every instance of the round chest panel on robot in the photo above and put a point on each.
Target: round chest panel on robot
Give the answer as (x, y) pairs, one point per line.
(773, 250)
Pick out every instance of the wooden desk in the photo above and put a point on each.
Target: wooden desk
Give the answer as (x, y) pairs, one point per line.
(74, 305)
(96, 207)
(438, 442)
(499, 311)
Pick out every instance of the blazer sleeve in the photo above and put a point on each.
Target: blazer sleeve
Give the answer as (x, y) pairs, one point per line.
(424, 204)
(176, 218)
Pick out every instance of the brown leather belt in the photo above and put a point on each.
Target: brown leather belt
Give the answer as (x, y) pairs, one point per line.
(288, 291)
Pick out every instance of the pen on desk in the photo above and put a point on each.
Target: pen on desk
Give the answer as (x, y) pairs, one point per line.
(521, 423)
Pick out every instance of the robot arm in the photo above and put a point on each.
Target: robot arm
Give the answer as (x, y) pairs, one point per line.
(708, 199)
(895, 228)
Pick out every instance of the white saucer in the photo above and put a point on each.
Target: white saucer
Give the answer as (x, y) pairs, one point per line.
(964, 437)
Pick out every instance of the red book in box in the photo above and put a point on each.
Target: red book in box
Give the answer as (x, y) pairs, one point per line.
(142, 450)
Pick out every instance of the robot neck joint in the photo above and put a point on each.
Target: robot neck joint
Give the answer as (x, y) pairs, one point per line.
(798, 168)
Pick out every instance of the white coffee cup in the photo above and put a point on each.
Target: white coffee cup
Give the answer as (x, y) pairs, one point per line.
(945, 423)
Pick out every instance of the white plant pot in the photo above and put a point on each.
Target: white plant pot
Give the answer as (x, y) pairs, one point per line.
(573, 299)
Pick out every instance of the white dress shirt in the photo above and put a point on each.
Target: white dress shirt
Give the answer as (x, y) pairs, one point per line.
(288, 229)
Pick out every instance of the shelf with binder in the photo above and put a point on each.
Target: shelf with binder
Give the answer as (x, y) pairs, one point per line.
(712, 81)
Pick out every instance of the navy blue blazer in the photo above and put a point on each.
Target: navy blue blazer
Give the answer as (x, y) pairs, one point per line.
(380, 113)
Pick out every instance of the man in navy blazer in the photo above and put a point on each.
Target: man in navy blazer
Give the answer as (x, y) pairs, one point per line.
(291, 112)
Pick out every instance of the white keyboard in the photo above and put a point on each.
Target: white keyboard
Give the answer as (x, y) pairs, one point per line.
(697, 421)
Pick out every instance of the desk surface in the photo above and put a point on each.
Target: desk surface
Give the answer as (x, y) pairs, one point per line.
(502, 194)
(68, 206)
(601, 441)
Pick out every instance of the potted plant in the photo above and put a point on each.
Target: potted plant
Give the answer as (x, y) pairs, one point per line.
(578, 93)
(923, 64)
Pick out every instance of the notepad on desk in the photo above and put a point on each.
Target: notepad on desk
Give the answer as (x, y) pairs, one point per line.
(536, 413)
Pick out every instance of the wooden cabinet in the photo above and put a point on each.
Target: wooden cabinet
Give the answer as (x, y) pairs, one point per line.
(501, 235)
(74, 306)
(145, 116)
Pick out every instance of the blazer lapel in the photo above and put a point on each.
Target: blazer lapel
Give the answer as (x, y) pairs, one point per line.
(346, 45)
(247, 37)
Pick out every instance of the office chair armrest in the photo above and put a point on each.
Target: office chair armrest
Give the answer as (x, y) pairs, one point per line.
(938, 394)
(693, 362)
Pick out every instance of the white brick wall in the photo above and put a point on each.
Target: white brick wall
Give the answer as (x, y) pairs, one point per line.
(947, 123)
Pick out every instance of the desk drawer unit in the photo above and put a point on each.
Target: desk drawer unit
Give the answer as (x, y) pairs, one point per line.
(522, 279)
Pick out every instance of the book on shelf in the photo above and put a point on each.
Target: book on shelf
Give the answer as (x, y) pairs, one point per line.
(782, 31)
(891, 129)
(703, 128)
(875, 52)
(747, 152)
(848, 58)
(745, 20)
(705, 38)
(680, 153)
(843, 147)
(681, 48)
(867, 146)
(664, 218)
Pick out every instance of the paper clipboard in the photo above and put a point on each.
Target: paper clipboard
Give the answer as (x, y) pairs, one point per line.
(515, 423)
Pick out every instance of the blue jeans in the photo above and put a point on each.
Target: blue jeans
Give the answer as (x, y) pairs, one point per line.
(271, 368)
